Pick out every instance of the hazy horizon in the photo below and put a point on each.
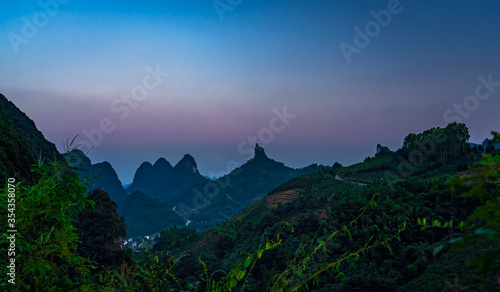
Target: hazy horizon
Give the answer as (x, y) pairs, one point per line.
(205, 82)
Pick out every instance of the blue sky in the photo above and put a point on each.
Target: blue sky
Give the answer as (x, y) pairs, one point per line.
(225, 76)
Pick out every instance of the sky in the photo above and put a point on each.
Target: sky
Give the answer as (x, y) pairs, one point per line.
(310, 81)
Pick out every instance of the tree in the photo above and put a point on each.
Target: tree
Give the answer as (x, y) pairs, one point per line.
(102, 232)
(484, 222)
(484, 185)
(46, 240)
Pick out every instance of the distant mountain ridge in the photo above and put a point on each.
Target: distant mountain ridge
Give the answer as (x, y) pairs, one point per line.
(307, 212)
(180, 185)
(210, 203)
(102, 175)
(143, 215)
(163, 181)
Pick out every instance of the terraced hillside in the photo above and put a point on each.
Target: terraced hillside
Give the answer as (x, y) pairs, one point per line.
(252, 214)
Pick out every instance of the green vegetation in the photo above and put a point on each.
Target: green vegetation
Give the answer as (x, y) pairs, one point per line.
(484, 185)
(145, 216)
(46, 241)
(356, 228)
(26, 128)
(236, 191)
(15, 159)
(337, 237)
(102, 232)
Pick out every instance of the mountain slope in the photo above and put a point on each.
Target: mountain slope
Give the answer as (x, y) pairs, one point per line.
(310, 214)
(27, 129)
(149, 178)
(102, 231)
(146, 216)
(210, 203)
(15, 157)
(100, 175)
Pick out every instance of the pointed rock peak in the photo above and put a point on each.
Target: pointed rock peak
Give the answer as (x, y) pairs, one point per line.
(188, 159)
(187, 162)
(162, 162)
(259, 152)
(379, 148)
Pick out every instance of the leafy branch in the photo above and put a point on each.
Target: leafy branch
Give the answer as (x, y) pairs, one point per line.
(296, 267)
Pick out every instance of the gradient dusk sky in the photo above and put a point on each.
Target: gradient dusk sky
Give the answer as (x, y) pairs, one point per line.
(228, 70)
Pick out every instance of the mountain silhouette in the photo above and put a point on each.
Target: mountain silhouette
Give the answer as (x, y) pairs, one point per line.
(15, 156)
(209, 203)
(162, 181)
(26, 128)
(100, 175)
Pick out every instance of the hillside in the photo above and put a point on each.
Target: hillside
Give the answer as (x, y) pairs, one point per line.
(99, 175)
(21, 144)
(145, 216)
(375, 200)
(207, 204)
(27, 129)
(15, 156)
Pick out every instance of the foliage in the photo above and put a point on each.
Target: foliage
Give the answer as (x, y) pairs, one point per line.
(46, 240)
(483, 183)
(15, 157)
(239, 271)
(145, 216)
(146, 274)
(318, 245)
(302, 269)
(37, 144)
(439, 145)
(310, 258)
(173, 237)
(102, 232)
(149, 273)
